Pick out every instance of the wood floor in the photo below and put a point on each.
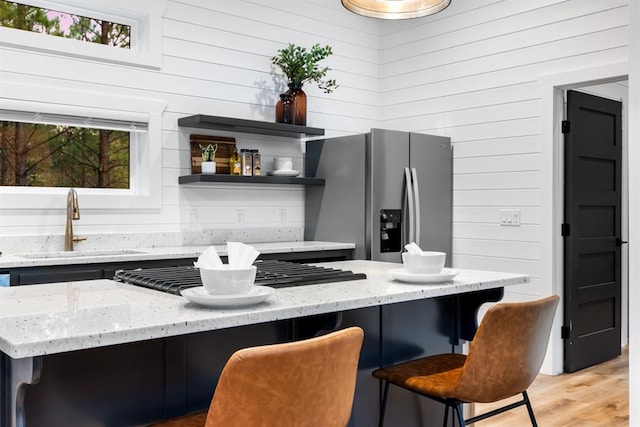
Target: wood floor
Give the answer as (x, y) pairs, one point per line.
(595, 396)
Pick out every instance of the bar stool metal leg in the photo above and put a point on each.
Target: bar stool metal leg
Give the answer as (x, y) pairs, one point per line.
(529, 409)
(446, 415)
(383, 404)
(458, 408)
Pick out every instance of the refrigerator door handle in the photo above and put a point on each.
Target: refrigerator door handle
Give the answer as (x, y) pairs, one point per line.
(407, 176)
(416, 197)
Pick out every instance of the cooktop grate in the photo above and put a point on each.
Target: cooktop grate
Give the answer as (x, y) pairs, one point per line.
(277, 274)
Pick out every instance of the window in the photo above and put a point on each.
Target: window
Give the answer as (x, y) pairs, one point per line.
(131, 30)
(108, 146)
(61, 24)
(63, 151)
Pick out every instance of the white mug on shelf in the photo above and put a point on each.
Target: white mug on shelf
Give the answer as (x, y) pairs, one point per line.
(283, 163)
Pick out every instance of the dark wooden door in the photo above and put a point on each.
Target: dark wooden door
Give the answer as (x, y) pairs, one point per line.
(593, 160)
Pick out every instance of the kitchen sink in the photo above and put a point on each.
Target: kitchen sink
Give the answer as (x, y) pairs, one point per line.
(77, 254)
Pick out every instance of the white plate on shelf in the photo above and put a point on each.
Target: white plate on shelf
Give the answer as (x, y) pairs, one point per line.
(285, 173)
(200, 296)
(403, 275)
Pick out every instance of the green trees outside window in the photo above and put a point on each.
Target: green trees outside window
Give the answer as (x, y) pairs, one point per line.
(43, 155)
(62, 24)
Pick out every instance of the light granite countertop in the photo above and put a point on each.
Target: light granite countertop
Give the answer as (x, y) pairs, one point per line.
(58, 317)
(37, 259)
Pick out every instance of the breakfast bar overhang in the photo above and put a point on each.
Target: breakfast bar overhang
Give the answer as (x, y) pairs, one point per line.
(107, 353)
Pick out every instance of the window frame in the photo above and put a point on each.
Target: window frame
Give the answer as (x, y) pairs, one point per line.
(143, 16)
(145, 150)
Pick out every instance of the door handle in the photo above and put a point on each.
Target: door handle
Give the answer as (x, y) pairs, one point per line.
(620, 242)
(416, 197)
(407, 176)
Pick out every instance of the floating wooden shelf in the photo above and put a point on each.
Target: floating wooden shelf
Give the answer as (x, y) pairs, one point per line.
(248, 126)
(213, 178)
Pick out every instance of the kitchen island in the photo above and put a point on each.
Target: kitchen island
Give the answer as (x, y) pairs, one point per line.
(108, 353)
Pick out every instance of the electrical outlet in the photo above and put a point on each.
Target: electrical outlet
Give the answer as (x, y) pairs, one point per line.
(240, 216)
(192, 217)
(510, 217)
(282, 213)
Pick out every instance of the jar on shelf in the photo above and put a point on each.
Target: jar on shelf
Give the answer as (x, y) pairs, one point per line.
(247, 162)
(284, 109)
(235, 164)
(256, 162)
(299, 101)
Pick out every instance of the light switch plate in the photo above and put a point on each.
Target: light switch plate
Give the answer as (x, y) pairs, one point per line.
(510, 217)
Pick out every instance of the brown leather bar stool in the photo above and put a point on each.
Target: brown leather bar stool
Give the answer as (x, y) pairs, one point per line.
(304, 383)
(504, 358)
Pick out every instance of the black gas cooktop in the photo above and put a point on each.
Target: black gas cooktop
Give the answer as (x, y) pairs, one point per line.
(276, 274)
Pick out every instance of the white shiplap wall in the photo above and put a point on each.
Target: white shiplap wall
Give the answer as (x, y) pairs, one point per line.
(471, 73)
(216, 61)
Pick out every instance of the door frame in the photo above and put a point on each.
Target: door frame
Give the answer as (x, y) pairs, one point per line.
(552, 87)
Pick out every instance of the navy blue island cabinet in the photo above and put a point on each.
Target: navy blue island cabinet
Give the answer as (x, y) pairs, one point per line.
(137, 383)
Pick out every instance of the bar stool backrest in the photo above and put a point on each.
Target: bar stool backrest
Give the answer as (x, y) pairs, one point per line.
(507, 351)
(304, 383)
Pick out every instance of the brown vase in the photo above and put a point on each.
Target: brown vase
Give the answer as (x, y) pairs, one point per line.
(299, 100)
(287, 109)
(284, 109)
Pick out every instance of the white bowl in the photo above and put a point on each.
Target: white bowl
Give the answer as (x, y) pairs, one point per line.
(227, 280)
(428, 262)
(283, 163)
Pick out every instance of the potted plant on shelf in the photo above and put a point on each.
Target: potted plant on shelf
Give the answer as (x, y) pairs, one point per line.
(208, 158)
(300, 65)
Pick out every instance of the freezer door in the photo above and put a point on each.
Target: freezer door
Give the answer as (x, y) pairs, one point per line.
(388, 154)
(335, 212)
(432, 158)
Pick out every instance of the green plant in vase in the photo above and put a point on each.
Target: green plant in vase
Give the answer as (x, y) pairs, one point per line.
(208, 158)
(300, 65)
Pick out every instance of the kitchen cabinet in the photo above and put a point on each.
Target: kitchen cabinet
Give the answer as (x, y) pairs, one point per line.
(254, 127)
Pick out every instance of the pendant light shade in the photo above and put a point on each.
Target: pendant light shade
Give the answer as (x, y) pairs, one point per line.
(395, 9)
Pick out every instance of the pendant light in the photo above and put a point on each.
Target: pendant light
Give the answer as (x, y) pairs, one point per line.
(395, 9)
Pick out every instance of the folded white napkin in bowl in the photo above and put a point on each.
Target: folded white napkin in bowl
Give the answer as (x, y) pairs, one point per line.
(240, 256)
(209, 260)
(413, 248)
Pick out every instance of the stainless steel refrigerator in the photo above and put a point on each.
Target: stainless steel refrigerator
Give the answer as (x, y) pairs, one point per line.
(383, 189)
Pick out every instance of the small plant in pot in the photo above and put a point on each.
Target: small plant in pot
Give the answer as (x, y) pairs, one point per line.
(300, 65)
(208, 158)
